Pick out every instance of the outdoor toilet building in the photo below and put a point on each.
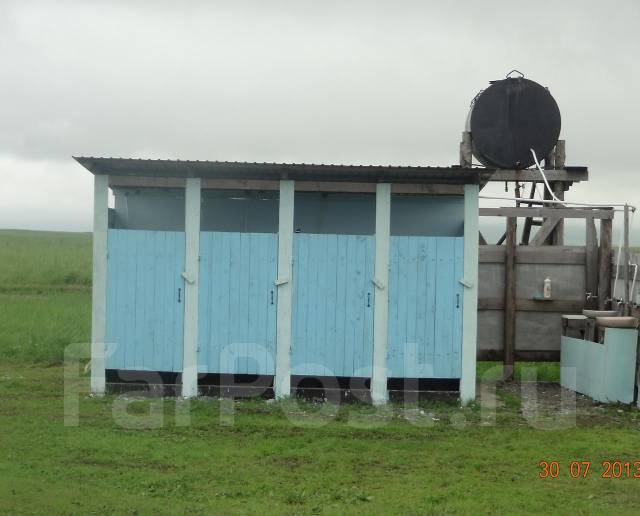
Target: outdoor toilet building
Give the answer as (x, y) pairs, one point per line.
(281, 271)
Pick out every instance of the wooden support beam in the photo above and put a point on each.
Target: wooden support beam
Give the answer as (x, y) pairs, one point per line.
(99, 285)
(379, 394)
(470, 295)
(466, 153)
(550, 160)
(481, 239)
(191, 288)
(530, 175)
(563, 306)
(545, 230)
(604, 260)
(567, 213)
(626, 257)
(549, 238)
(510, 299)
(591, 268)
(561, 154)
(284, 309)
(526, 231)
(539, 255)
(558, 234)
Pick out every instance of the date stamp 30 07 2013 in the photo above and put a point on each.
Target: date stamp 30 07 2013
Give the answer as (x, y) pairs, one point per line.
(583, 469)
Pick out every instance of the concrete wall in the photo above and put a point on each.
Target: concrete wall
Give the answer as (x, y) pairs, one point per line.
(538, 323)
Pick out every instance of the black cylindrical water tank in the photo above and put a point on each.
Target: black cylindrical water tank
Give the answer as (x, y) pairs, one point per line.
(511, 117)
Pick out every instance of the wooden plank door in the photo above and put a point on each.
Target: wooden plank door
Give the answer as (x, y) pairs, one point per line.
(145, 300)
(425, 307)
(333, 305)
(237, 304)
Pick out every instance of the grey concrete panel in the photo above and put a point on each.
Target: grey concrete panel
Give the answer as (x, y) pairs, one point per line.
(538, 330)
(567, 281)
(491, 280)
(490, 329)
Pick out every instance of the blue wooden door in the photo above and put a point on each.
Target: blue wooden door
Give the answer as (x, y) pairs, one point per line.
(425, 307)
(333, 305)
(237, 305)
(145, 300)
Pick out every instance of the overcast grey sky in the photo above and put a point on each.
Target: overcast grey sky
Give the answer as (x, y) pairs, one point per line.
(359, 82)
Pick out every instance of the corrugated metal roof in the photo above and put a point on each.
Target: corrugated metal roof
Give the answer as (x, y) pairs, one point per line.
(277, 171)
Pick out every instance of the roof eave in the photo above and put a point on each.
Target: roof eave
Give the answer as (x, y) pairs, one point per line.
(278, 171)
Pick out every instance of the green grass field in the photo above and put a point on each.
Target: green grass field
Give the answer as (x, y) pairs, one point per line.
(41, 261)
(268, 457)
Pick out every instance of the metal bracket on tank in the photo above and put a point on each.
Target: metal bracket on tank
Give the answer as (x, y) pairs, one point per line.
(188, 278)
(281, 281)
(465, 283)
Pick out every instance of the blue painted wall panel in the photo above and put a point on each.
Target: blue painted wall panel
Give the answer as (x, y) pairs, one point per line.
(237, 305)
(144, 317)
(455, 363)
(333, 305)
(425, 307)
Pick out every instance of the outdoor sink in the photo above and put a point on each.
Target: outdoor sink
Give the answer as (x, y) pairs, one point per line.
(600, 313)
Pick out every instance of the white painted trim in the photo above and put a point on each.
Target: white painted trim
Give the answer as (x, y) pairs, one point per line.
(191, 274)
(99, 288)
(379, 394)
(470, 295)
(282, 380)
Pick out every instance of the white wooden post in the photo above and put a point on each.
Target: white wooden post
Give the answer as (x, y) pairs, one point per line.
(282, 380)
(99, 288)
(470, 298)
(379, 394)
(190, 275)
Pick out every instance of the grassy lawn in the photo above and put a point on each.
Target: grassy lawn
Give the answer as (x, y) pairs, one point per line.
(44, 260)
(132, 455)
(285, 458)
(37, 327)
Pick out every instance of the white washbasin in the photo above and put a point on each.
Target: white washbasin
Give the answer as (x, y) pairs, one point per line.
(600, 313)
(617, 322)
